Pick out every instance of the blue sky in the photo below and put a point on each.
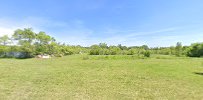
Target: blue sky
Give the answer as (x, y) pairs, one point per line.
(128, 22)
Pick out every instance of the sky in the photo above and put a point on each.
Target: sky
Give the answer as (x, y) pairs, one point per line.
(154, 23)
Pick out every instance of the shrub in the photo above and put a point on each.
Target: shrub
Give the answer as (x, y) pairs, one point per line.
(195, 50)
(131, 52)
(146, 54)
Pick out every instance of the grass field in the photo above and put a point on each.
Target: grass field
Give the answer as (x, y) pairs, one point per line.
(102, 78)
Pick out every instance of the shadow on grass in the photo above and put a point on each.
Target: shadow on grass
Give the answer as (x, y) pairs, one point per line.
(198, 73)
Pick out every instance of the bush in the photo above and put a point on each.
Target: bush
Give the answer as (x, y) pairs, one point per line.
(146, 54)
(131, 52)
(195, 50)
(94, 50)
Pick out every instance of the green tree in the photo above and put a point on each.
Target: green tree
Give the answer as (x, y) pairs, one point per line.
(67, 50)
(131, 52)
(25, 39)
(103, 45)
(95, 50)
(172, 50)
(3, 50)
(145, 47)
(4, 40)
(55, 49)
(146, 53)
(42, 42)
(43, 38)
(178, 49)
(114, 50)
(195, 50)
(122, 47)
(24, 36)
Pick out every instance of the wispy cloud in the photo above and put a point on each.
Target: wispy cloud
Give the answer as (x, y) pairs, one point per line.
(129, 37)
(75, 32)
(6, 31)
(60, 30)
(8, 26)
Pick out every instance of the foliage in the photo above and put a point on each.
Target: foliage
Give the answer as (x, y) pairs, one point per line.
(122, 47)
(131, 52)
(147, 53)
(29, 43)
(178, 49)
(25, 35)
(4, 40)
(94, 50)
(114, 50)
(195, 50)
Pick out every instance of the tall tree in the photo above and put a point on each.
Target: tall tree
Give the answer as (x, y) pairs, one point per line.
(178, 49)
(145, 47)
(195, 50)
(42, 43)
(114, 50)
(122, 47)
(4, 40)
(43, 38)
(94, 50)
(103, 45)
(23, 36)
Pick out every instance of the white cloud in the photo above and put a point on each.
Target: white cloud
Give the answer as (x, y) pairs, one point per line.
(76, 33)
(128, 37)
(6, 31)
(8, 26)
(73, 32)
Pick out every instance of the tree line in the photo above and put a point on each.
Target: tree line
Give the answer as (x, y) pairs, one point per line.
(29, 44)
(25, 43)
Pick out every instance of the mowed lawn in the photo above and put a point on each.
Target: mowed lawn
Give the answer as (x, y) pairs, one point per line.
(106, 78)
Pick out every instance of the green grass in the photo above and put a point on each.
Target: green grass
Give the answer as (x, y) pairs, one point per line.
(102, 78)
